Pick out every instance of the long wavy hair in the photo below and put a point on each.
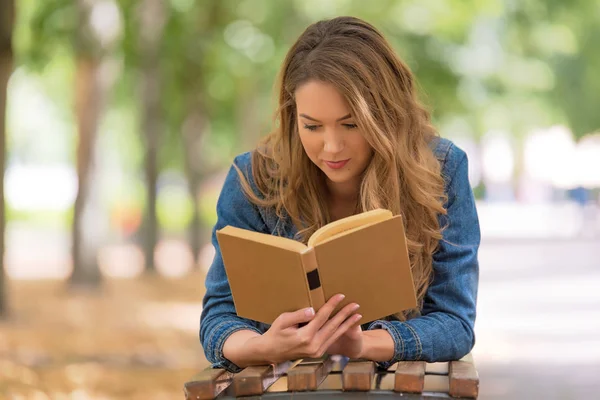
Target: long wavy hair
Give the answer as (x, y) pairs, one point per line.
(403, 175)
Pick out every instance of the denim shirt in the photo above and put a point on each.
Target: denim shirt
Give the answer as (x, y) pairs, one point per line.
(443, 331)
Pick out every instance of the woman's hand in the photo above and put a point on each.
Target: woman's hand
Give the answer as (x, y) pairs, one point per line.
(350, 344)
(286, 340)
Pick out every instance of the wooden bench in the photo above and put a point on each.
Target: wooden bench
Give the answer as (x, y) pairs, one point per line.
(337, 377)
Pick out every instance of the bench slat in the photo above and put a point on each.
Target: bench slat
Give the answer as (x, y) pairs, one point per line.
(331, 382)
(386, 381)
(338, 373)
(309, 374)
(208, 384)
(410, 376)
(254, 380)
(358, 376)
(437, 368)
(464, 380)
(280, 386)
(436, 384)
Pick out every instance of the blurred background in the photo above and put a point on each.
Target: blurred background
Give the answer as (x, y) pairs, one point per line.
(119, 120)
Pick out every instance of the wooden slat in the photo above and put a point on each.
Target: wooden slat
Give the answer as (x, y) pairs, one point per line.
(383, 381)
(456, 378)
(331, 382)
(280, 386)
(254, 380)
(436, 384)
(207, 384)
(250, 381)
(410, 376)
(305, 377)
(309, 374)
(437, 368)
(431, 383)
(358, 376)
(311, 361)
(464, 380)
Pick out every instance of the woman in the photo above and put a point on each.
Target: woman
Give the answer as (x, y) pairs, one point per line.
(351, 137)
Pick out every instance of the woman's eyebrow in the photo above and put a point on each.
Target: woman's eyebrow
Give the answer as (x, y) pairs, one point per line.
(316, 120)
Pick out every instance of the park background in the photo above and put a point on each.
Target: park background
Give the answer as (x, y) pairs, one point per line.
(120, 118)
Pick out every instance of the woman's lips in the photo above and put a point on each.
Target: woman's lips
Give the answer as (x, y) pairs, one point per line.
(336, 164)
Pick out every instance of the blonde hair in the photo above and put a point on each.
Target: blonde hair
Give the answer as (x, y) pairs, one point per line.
(403, 175)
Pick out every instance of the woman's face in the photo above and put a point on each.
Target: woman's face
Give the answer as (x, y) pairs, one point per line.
(329, 134)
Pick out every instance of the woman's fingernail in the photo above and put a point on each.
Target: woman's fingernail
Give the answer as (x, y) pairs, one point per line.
(356, 307)
(357, 317)
(341, 297)
(309, 312)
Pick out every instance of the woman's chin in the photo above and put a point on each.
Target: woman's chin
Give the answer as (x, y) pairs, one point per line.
(339, 178)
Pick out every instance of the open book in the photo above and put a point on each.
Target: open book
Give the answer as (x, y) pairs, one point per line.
(363, 256)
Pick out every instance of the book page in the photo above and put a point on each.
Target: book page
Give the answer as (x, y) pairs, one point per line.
(271, 240)
(333, 229)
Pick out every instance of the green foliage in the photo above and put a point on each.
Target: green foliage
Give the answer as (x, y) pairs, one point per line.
(174, 209)
(45, 27)
(480, 65)
(41, 218)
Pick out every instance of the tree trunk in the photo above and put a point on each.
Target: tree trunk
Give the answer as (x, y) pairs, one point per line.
(196, 122)
(248, 116)
(86, 271)
(7, 11)
(152, 20)
(193, 133)
(89, 98)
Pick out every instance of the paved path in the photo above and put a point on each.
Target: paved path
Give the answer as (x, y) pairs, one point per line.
(538, 329)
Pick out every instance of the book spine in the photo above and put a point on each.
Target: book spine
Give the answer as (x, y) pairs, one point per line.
(317, 296)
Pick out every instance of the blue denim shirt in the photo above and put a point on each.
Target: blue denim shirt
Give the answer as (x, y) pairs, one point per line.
(444, 329)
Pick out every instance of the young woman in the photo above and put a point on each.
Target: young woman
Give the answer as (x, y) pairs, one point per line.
(351, 137)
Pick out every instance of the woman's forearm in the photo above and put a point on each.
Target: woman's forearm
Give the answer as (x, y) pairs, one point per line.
(243, 349)
(378, 345)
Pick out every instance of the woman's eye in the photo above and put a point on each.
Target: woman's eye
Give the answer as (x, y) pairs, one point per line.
(350, 126)
(310, 127)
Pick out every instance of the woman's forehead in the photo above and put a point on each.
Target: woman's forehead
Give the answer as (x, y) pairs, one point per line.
(321, 101)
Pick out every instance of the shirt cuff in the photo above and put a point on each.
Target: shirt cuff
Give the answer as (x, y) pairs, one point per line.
(407, 344)
(220, 334)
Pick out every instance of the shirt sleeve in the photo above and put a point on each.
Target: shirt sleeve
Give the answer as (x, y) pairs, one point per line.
(445, 329)
(219, 319)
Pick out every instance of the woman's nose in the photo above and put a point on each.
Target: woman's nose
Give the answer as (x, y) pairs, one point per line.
(334, 142)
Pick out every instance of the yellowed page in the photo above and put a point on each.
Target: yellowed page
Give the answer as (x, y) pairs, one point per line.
(333, 229)
(278, 241)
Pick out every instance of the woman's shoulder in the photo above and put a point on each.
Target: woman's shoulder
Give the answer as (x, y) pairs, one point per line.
(243, 161)
(232, 185)
(453, 162)
(448, 154)
(238, 196)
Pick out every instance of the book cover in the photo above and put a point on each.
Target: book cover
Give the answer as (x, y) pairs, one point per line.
(363, 256)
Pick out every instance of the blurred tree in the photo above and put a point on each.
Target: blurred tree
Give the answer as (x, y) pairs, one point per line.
(162, 50)
(7, 15)
(152, 16)
(90, 93)
(206, 70)
(194, 123)
(225, 90)
(565, 37)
